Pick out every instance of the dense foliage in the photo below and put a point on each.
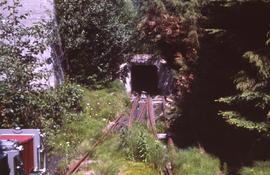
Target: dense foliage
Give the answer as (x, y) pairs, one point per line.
(95, 35)
(23, 102)
(170, 28)
(253, 108)
(250, 107)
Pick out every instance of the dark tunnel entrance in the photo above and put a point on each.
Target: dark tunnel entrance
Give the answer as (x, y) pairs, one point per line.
(144, 78)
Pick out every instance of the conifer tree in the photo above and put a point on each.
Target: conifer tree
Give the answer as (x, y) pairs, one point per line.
(250, 108)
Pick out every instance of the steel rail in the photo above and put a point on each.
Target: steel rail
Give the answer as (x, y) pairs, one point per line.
(144, 109)
(75, 167)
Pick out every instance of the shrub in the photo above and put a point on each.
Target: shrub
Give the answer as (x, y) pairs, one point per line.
(170, 28)
(41, 109)
(23, 101)
(249, 109)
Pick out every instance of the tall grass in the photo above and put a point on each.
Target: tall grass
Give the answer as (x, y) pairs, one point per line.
(139, 144)
(134, 152)
(192, 162)
(109, 158)
(78, 135)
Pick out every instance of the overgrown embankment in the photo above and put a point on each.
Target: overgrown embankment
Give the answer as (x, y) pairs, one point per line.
(219, 53)
(129, 151)
(234, 64)
(76, 136)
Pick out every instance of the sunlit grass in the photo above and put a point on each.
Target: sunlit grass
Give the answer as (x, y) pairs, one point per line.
(98, 108)
(133, 151)
(117, 156)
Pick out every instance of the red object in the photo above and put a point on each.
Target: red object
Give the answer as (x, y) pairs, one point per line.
(27, 155)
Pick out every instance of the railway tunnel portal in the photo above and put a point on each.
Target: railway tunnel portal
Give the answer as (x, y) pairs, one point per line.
(146, 73)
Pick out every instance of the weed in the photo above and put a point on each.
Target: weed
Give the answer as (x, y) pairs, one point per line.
(139, 145)
(112, 159)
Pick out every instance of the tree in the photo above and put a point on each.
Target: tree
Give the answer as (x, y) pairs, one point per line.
(250, 108)
(170, 28)
(20, 46)
(95, 35)
(23, 100)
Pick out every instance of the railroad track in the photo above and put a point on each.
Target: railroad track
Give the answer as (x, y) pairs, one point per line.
(76, 166)
(142, 111)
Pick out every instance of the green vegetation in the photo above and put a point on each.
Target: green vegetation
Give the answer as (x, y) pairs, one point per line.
(233, 70)
(193, 162)
(136, 153)
(95, 35)
(138, 168)
(23, 100)
(108, 156)
(251, 105)
(138, 144)
(98, 108)
(253, 91)
(259, 168)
